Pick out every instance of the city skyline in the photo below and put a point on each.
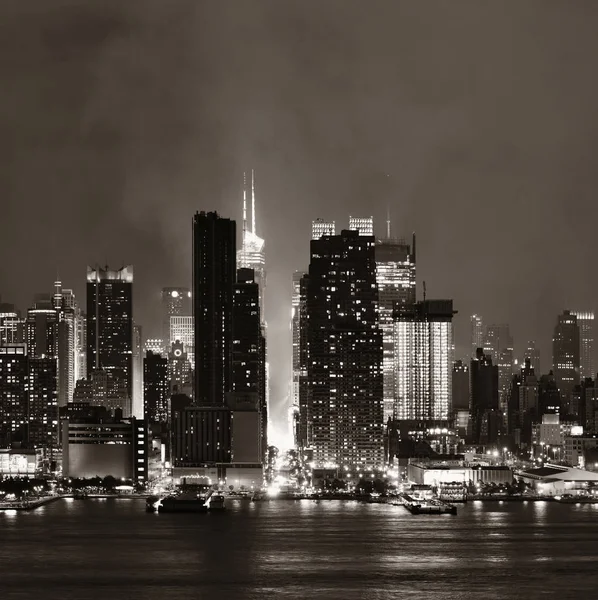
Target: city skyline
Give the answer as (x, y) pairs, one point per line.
(425, 128)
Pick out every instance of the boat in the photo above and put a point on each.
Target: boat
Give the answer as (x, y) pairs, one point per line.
(216, 502)
(183, 503)
(572, 499)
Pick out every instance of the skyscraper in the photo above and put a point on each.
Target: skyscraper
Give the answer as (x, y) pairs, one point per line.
(138, 393)
(214, 275)
(395, 277)
(14, 375)
(155, 388)
(533, 353)
(110, 324)
(585, 322)
(182, 330)
(252, 255)
(179, 370)
(12, 326)
(296, 335)
(320, 227)
(344, 371)
(424, 360)
(565, 353)
(249, 356)
(486, 417)
(176, 302)
(363, 225)
(460, 398)
(498, 344)
(477, 334)
(42, 402)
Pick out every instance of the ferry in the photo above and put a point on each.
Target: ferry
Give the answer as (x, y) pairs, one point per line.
(187, 502)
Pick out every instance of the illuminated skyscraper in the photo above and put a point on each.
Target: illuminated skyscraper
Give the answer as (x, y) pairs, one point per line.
(344, 366)
(424, 360)
(395, 277)
(565, 353)
(297, 300)
(110, 324)
(320, 227)
(533, 354)
(214, 276)
(156, 390)
(363, 225)
(498, 344)
(179, 370)
(585, 322)
(181, 330)
(138, 402)
(176, 302)
(252, 253)
(14, 375)
(477, 334)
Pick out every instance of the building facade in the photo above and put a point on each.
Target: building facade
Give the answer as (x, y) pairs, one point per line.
(156, 388)
(565, 353)
(424, 360)
(585, 323)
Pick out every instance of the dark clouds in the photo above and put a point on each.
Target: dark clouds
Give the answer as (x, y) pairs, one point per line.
(475, 121)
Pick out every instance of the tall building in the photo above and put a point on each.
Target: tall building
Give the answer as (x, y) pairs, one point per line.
(395, 277)
(110, 323)
(252, 255)
(179, 370)
(181, 330)
(587, 364)
(477, 334)
(498, 344)
(533, 353)
(249, 357)
(28, 399)
(363, 225)
(12, 326)
(68, 312)
(305, 422)
(424, 360)
(138, 393)
(14, 376)
(296, 301)
(565, 353)
(344, 371)
(460, 397)
(320, 227)
(176, 302)
(214, 276)
(156, 390)
(486, 417)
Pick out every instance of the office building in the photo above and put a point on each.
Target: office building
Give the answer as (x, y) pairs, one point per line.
(498, 345)
(533, 353)
(320, 227)
(585, 323)
(138, 401)
(156, 388)
(28, 399)
(565, 353)
(98, 444)
(460, 397)
(249, 345)
(252, 254)
(214, 276)
(486, 417)
(104, 389)
(424, 360)
(176, 302)
(395, 277)
(155, 345)
(179, 370)
(200, 434)
(12, 326)
(14, 376)
(363, 225)
(296, 301)
(181, 330)
(477, 334)
(344, 371)
(110, 324)
(304, 418)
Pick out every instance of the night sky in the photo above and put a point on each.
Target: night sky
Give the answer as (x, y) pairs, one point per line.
(475, 122)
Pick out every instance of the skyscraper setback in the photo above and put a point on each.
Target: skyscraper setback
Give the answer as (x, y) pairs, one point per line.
(344, 366)
(214, 276)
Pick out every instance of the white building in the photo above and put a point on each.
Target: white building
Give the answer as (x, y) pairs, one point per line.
(364, 225)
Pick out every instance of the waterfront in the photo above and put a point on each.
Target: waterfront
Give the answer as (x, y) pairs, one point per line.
(94, 549)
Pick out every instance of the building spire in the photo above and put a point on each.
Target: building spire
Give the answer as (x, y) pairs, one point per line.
(388, 222)
(253, 203)
(413, 247)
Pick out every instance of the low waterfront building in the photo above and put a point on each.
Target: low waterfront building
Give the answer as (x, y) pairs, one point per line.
(437, 473)
(554, 480)
(576, 447)
(20, 463)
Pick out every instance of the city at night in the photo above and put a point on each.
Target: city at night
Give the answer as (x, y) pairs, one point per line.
(298, 298)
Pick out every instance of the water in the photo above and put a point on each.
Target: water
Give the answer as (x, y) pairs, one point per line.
(331, 550)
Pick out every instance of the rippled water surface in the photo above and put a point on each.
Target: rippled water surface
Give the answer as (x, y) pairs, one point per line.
(279, 549)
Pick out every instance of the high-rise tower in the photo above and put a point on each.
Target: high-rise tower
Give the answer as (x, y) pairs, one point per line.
(344, 369)
(477, 334)
(110, 325)
(585, 322)
(565, 353)
(395, 277)
(214, 276)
